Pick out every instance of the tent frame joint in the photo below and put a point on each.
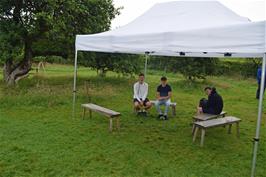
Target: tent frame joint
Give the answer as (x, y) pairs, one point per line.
(227, 54)
(182, 53)
(256, 139)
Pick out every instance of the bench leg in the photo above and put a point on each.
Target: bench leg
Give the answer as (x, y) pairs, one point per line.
(223, 117)
(90, 113)
(134, 109)
(84, 112)
(173, 111)
(195, 134)
(237, 129)
(229, 128)
(202, 137)
(193, 128)
(111, 125)
(118, 123)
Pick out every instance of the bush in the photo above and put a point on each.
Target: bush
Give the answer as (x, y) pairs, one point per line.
(241, 67)
(195, 68)
(190, 68)
(199, 68)
(124, 64)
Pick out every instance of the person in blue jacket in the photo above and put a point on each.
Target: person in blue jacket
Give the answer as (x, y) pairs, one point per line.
(259, 81)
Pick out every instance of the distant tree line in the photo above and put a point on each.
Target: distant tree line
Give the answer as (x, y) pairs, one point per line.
(200, 68)
(125, 64)
(190, 68)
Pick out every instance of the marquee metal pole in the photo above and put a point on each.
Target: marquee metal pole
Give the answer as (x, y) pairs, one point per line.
(75, 84)
(260, 109)
(146, 63)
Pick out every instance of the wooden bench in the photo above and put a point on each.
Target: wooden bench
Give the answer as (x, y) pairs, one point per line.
(104, 111)
(204, 117)
(172, 105)
(204, 125)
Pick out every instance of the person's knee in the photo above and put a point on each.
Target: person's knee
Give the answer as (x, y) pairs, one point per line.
(148, 104)
(136, 104)
(167, 103)
(157, 103)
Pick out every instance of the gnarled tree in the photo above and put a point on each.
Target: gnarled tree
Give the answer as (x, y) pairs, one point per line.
(42, 27)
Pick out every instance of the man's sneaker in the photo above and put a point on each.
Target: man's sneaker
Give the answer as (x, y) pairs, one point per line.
(160, 116)
(144, 113)
(165, 117)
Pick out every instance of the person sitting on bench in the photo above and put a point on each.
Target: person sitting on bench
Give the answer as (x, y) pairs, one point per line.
(164, 93)
(141, 102)
(214, 104)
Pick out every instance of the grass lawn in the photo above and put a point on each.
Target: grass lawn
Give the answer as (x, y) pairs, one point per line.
(38, 136)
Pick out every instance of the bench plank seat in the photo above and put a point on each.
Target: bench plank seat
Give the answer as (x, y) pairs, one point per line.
(172, 105)
(203, 125)
(104, 111)
(217, 122)
(101, 110)
(204, 117)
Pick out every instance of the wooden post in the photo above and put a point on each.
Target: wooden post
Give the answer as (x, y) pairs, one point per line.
(40, 65)
(193, 128)
(118, 123)
(229, 128)
(237, 129)
(90, 114)
(111, 124)
(202, 137)
(134, 109)
(173, 110)
(84, 112)
(224, 116)
(195, 134)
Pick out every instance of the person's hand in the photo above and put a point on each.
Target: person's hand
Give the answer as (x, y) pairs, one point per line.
(141, 103)
(199, 110)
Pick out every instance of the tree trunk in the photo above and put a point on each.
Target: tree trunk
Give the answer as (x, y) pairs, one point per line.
(14, 72)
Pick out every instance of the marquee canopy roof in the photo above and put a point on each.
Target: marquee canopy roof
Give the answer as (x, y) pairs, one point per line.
(190, 28)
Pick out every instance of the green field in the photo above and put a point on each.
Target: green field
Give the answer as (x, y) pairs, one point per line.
(38, 136)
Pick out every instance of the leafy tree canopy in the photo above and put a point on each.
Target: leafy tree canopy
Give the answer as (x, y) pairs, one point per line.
(46, 27)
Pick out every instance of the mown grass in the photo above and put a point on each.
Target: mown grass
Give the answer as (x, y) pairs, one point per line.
(39, 137)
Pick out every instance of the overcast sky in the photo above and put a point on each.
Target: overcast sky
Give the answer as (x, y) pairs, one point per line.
(253, 9)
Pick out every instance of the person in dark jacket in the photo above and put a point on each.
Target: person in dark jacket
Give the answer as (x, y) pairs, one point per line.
(214, 104)
(259, 81)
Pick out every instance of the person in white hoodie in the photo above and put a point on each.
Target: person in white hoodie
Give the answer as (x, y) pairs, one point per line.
(141, 102)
